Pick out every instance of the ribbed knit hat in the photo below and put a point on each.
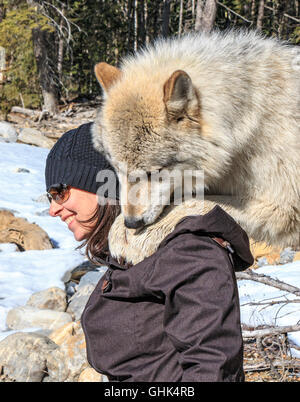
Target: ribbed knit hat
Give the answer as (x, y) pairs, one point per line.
(74, 161)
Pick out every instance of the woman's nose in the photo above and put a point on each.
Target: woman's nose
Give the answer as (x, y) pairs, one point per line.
(55, 208)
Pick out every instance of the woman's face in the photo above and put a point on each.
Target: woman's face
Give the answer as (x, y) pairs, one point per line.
(80, 206)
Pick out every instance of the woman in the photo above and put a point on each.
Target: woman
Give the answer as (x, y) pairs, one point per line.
(71, 180)
(173, 316)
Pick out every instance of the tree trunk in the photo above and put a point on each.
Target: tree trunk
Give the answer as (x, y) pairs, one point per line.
(45, 72)
(147, 38)
(166, 18)
(253, 10)
(2, 66)
(2, 11)
(60, 55)
(180, 18)
(205, 15)
(130, 25)
(135, 30)
(260, 15)
(209, 15)
(141, 23)
(193, 9)
(46, 78)
(199, 10)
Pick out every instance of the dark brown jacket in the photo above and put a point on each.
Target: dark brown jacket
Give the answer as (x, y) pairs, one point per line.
(174, 316)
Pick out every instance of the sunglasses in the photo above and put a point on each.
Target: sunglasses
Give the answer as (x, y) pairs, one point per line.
(59, 193)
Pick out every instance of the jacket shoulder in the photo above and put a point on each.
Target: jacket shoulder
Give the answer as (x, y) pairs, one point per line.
(187, 258)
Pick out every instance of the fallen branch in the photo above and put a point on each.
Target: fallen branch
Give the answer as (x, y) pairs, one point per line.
(258, 333)
(271, 303)
(267, 280)
(293, 363)
(27, 112)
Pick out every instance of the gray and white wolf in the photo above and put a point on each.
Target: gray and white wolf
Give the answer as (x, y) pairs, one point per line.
(226, 103)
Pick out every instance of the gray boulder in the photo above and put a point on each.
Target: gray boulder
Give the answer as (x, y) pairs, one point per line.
(65, 363)
(7, 132)
(52, 298)
(32, 317)
(23, 357)
(35, 137)
(79, 300)
(92, 277)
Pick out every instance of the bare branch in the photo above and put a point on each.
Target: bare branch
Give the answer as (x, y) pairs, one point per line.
(262, 366)
(64, 18)
(267, 280)
(271, 303)
(233, 12)
(258, 333)
(286, 15)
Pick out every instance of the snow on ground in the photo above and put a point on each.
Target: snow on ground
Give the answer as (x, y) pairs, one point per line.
(21, 274)
(255, 298)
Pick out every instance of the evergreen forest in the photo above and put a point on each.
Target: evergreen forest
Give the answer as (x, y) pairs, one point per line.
(49, 48)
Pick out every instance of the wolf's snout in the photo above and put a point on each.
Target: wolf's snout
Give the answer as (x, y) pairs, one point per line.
(133, 223)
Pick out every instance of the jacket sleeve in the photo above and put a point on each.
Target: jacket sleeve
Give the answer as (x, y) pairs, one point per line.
(202, 316)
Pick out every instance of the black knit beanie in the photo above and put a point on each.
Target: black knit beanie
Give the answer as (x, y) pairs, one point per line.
(74, 161)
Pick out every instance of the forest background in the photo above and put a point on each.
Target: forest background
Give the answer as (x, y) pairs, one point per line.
(51, 46)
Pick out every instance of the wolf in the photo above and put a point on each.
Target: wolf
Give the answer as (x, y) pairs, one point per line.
(224, 103)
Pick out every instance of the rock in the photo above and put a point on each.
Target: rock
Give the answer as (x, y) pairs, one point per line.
(7, 132)
(90, 375)
(76, 273)
(296, 256)
(31, 317)
(6, 217)
(92, 277)
(68, 361)
(43, 199)
(70, 289)
(273, 258)
(28, 236)
(44, 212)
(63, 333)
(261, 249)
(287, 255)
(35, 137)
(262, 261)
(23, 357)
(52, 299)
(22, 170)
(79, 300)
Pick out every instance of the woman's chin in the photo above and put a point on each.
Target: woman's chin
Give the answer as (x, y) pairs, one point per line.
(79, 236)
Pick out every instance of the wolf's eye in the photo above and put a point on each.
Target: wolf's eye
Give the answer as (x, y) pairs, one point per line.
(179, 119)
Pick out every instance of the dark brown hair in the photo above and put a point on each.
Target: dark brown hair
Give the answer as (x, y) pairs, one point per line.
(97, 240)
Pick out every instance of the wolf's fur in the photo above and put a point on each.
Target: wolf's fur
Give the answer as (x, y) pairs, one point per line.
(224, 103)
(135, 245)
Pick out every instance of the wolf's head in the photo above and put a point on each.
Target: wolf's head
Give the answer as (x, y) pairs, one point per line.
(148, 127)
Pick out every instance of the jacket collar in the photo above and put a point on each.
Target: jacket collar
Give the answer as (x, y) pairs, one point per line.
(215, 223)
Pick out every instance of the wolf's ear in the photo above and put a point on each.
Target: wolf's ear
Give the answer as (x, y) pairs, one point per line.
(178, 92)
(107, 75)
